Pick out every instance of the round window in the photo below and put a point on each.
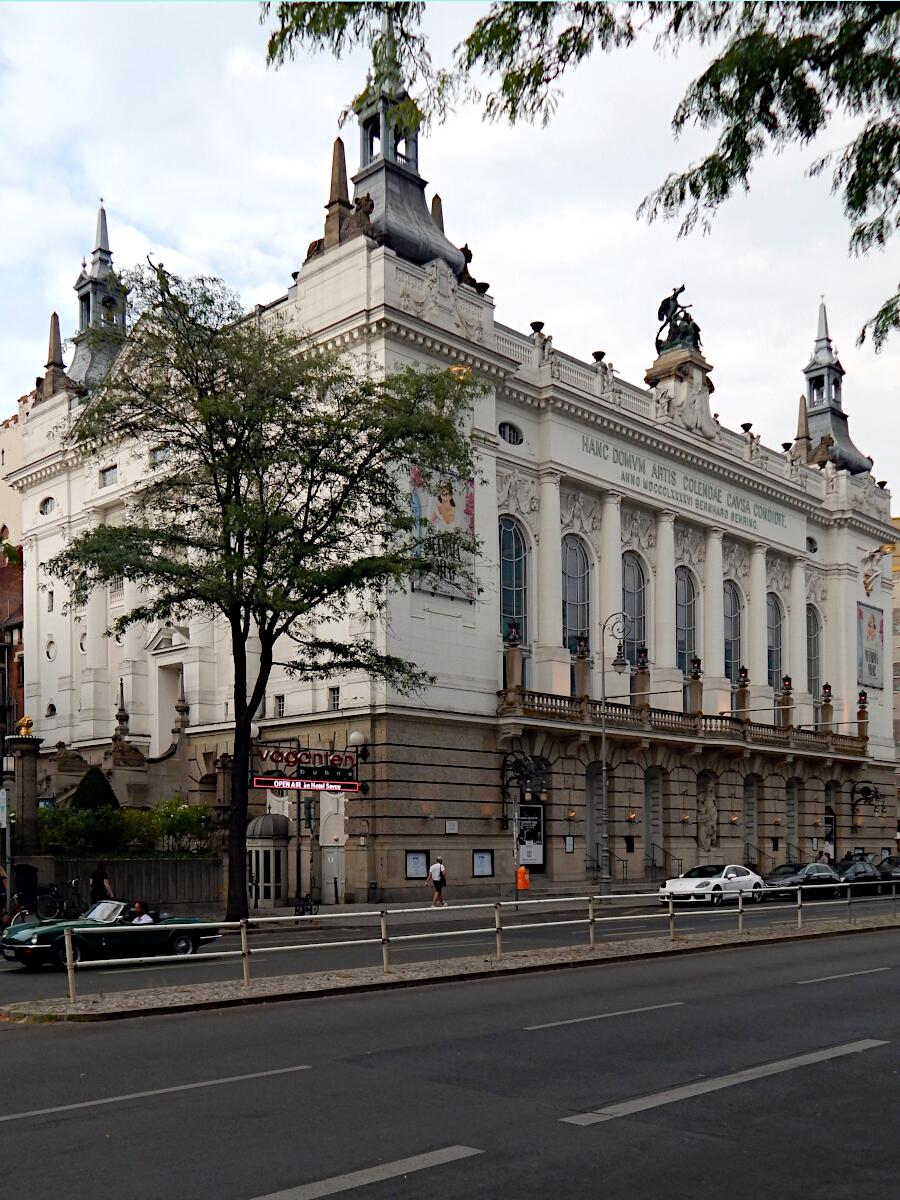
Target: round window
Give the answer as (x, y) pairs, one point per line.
(82, 642)
(51, 710)
(50, 650)
(511, 433)
(46, 506)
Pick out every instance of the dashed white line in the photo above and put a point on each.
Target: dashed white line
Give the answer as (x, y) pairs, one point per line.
(622, 1012)
(357, 1179)
(845, 975)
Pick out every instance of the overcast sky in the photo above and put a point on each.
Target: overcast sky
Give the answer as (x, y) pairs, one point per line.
(217, 164)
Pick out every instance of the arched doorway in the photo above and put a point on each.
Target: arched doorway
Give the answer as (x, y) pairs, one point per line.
(267, 846)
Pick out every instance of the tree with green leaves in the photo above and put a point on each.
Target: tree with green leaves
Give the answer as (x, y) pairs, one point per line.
(281, 504)
(779, 74)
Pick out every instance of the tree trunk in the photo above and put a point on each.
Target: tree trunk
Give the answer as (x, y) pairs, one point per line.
(240, 768)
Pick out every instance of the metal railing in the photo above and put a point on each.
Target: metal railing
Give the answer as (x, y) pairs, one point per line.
(386, 939)
(671, 865)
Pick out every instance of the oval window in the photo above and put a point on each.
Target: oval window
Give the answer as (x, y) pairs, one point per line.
(511, 433)
(82, 642)
(46, 506)
(51, 710)
(50, 650)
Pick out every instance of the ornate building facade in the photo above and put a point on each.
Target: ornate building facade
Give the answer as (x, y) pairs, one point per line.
(752, 585)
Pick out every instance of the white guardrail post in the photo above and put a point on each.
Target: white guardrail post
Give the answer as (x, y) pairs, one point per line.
(740, 912)
(245, 952)
(70, 962)
(799, 907)
(385, 952)
(849, 904)
(671, 919)
(498, 930)
(894, 901)
(591, 936)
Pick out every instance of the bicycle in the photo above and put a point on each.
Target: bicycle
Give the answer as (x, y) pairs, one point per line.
(65, 902)
(306, 906)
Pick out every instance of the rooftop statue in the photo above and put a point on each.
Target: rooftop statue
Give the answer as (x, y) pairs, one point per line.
(681, 330)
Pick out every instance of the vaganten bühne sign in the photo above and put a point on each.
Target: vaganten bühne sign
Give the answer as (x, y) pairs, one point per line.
(314, 770)
(691, 490)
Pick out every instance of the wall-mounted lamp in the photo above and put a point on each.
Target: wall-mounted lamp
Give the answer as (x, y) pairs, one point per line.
(685, 817)
(776, 820)
(570, 814)
(734, 819)
(632, 816)
(817, 821)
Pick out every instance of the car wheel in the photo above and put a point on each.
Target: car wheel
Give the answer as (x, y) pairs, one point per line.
(61, 953)
(716, 896)
(757, 894)
(182, 945)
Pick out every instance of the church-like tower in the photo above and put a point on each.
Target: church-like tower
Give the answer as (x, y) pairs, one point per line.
(101, 312)
(827, 432)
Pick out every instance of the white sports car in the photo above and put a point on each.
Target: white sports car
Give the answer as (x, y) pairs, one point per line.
(714, 885)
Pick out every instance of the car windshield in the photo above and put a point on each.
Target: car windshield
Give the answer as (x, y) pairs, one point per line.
(703, 872)
(105, 911)
(787, 869)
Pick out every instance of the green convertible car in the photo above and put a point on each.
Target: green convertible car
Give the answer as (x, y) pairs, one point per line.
(34, 944)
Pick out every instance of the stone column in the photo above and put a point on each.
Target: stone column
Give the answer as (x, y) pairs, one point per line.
(25, 751)
(756, 654)
(551, 660)
(611, 587)
(134, 669)
(803, 711)
(667, 679)
(96, 697)
(200, 669)
(31, 630)
(716, 688)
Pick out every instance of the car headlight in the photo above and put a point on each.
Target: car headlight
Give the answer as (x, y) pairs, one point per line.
(34, 940)
(704, 884)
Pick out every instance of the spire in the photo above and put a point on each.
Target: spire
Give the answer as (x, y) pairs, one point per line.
(823, 418)
(800, 448)
(54, 351)
(101, 241)
(101, 311)
(437, 211)
(822, 333)
(121, 713)
(338, 207)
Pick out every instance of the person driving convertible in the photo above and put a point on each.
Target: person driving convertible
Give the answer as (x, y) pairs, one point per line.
(141, 914)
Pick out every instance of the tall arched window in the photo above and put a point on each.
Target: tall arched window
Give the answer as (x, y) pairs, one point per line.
(576, 592)
(634, 604)
(685, 618)
(732, 609)
(813, 653)
(513, 579)
(774, 632)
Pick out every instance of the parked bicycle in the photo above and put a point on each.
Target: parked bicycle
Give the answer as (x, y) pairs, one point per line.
(65, 901)
(306, 906)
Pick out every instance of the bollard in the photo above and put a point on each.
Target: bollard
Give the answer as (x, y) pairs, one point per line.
(894, 902)
(245, 952)
(849, 905)
(498, 930)
(740, 912)
(591, 937)
(385, 953)
(70, 962)
(671, 919)
(799, 907)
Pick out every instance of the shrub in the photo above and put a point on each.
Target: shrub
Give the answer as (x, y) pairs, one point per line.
(94, 792)
(140, 828)
(75, 831)
(184, 826)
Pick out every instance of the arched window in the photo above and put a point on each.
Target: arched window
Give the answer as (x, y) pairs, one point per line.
(576, 592)
(774, 631)
(732, 609)
(513, 579)
(685, 618)
(813, 653)
(634, 604)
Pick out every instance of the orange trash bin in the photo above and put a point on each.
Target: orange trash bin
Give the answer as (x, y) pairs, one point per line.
(523, 882)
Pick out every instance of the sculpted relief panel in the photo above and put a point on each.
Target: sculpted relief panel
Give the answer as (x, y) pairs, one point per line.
(690, 547)
(735, 560)
(518, 494)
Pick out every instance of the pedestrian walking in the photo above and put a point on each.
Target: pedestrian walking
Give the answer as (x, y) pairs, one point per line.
(438, 877)
(100, 885)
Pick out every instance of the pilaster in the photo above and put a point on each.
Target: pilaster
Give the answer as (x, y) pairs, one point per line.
(552, 661)
(716, 688)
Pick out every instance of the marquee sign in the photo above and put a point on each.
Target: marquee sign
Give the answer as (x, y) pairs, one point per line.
(313, 770)
(280, 783)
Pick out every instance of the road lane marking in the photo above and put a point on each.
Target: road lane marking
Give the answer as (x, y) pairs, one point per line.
(687, 1091)
(356, 1179)
(846, 975)
(623, 1012)
(179, 1087)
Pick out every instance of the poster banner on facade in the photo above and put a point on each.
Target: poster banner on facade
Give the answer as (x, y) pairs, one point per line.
(869, 646)
(441, 517)
(531, 835)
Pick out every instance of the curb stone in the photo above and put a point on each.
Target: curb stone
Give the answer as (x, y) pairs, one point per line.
(113, 1006)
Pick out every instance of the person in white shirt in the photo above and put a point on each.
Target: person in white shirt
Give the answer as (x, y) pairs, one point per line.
(438, 877)
(141, 915)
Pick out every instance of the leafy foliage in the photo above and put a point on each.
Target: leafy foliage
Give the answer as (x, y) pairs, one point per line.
(81, 831)
(183, 826)
(282, 503)
(176, 827)
(780, 74)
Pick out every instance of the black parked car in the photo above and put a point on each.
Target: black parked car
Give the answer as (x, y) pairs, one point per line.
(889, 867)
(816, 881)
(863, 879)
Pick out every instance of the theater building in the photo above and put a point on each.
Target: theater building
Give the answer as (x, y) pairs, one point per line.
(708, 609)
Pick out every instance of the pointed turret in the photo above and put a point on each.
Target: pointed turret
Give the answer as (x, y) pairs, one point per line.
(55, 380)
(800, 448)
(54, 350)
(437, 211)
(827, 431)
(101, 311)
(338, 207)
(101, 241)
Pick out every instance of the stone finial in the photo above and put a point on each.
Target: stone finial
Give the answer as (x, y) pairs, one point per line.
(54, 351)
(437, 211)
(55, 379)
(182, 708)
(121, 712)
(338, 207)
(801, 447)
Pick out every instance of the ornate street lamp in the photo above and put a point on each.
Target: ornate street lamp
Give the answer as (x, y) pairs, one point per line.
(618, 625)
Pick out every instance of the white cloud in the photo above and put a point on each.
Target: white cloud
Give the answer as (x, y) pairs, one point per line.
(216, 163)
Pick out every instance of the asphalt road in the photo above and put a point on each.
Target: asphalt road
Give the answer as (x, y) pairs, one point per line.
(615, 923)
(746, 1073)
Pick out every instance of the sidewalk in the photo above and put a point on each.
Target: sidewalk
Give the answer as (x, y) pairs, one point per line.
(196, 997)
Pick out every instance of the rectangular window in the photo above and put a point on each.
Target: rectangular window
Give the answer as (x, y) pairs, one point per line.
(109, 475)
(279, 706)
(482, 863)
(159, 455)
(334, 699)
(50, 601)
(417, 864)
